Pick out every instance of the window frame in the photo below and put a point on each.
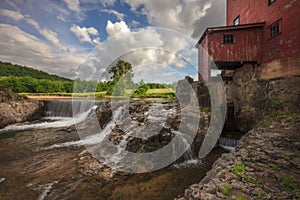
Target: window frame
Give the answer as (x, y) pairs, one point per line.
(275, 29)
(234, 21)
(228, 39)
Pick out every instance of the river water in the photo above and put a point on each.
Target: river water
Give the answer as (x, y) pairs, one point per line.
(41, 160)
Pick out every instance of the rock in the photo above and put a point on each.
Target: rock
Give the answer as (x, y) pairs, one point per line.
(16, 108)
(2, 180)
(264, 167)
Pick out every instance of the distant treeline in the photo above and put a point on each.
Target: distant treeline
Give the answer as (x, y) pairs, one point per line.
(23, 79)
(8, 69)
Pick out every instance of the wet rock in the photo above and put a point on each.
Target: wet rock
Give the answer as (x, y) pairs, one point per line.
(16, 108)
(2, 180)
(104, 114)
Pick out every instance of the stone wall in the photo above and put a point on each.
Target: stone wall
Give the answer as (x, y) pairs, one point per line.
(254, 97)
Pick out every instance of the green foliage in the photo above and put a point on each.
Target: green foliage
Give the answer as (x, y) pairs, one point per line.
(27, 80)
(226, 189)
(259, 196)
(289, 182)
(239, 169)
(253, 159)
(277, 103)
(8, 69)
(240, 197)
(142, 90)
(287, 157)
(121, 78)
(274, 167)
(280, 113)
(251, 180)
(31, 85)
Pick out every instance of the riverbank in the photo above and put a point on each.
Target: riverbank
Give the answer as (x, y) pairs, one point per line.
(265, 165)
(151, 93)
(15, 108)
(28, 171)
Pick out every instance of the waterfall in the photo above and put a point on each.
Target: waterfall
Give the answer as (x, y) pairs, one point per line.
(94, 138)
(228, 143)
(57, 114)
(66, 108)
(155, 117)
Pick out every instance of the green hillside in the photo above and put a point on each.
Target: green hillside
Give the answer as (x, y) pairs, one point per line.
(8, 69)
(23, 79)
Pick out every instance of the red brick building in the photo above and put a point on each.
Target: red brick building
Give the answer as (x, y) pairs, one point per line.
(264, 33)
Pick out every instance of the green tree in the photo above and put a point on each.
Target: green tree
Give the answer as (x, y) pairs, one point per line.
(121, 78)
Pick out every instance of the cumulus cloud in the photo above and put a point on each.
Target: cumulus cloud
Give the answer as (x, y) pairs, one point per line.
(186, 16)
(116, 28)
(33, 52)
(84, 34)
(142, 48)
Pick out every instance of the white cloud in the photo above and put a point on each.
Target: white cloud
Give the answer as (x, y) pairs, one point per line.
(11, 14)
(157, 48)
(84, 34)
(183, 15)
(31, 51)
(73, 5)
(51, 36)
(108, 2)
(61, 18)
(105, 3)
(116, 28)
(119, 15)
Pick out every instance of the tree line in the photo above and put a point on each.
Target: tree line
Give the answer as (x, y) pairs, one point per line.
(27, 80)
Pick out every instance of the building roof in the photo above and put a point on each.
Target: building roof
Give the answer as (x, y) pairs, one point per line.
(229, 28)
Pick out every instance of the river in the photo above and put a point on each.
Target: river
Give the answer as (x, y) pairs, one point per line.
(45, 159)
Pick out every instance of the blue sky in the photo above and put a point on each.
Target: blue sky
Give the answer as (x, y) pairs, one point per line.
(57, 36)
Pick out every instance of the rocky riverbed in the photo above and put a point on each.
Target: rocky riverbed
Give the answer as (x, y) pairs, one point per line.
(52, 163)
(265, 165)
(72, 173)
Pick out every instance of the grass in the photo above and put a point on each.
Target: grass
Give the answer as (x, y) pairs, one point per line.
(160, 91)
(240, 197)
(289, 182)
(277, 103)
(239, 169)
(253, 159)
(151, 92)
(226, 189)
(287, 157)
(259, 196)
(274, 167)
(253, 181)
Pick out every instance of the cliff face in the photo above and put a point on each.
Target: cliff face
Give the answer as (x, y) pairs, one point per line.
(16, 108)
(253, 98)
(265, 165)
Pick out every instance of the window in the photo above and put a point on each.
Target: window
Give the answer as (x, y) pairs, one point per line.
(228, 39)
(271, 1)
(275, 29)
(236, 21)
